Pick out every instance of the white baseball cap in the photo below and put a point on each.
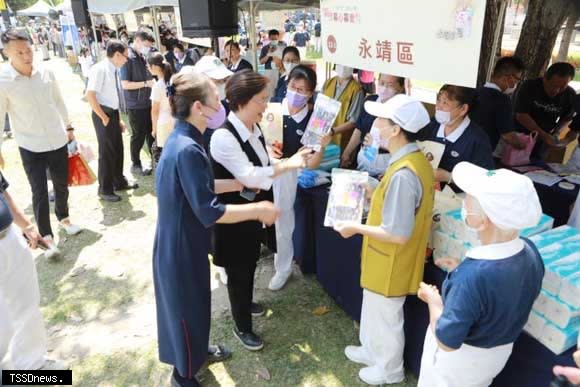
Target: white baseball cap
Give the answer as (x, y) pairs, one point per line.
(213, 67)
(508, 199)
(403, 110)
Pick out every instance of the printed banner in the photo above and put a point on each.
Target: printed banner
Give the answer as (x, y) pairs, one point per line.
(427, 40)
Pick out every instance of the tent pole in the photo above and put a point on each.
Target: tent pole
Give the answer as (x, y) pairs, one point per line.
(496, 38)
(95, 34)
(252, 34)
(155, 26)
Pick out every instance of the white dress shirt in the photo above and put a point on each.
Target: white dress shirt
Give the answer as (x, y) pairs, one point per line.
(103, 81)
(38, 114)
(226, 150)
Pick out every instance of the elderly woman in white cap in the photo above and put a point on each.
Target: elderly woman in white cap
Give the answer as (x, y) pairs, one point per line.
(487, 299)
(395, 240)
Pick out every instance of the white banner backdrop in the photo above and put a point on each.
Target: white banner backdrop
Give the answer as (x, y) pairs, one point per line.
(427, 40)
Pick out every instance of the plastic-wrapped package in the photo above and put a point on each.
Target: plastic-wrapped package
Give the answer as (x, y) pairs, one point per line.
(325, 112)
(347, 197)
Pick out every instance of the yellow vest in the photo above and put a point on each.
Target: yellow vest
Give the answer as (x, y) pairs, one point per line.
(346, 99)
(387, 268)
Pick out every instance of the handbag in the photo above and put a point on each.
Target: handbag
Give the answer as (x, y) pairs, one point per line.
(513, 157)
(79, 172)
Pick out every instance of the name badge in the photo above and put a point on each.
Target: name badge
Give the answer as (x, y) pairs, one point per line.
(454, 154)
(299, 132)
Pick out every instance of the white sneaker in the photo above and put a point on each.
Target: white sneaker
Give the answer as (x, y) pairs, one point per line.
(278, 281)
(54, 365)
(357, 355)
(52, 253)
(71, 229)
(376, 376)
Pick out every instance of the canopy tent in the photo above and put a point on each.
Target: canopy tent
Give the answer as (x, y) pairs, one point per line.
(278, 5)
(40, 8)
(118, 7)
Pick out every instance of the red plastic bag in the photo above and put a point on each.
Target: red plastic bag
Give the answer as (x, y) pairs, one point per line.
(513, 157)
(79, 172)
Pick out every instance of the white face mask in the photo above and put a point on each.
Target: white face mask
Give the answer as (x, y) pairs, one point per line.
(386, 93)
(464, 214)
(442, 117)
(145, 50)
(384, 142)
(344, 72)
(289, 66)
(376, 135)
(222, 91)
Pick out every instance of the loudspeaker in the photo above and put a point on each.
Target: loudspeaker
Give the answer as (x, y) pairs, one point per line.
(80, 12)
(208, 18)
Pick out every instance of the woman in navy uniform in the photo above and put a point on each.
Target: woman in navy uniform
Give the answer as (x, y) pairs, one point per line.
(296, 115)
(188, 207)
(239, 152)
(290, 59)
(463, 139)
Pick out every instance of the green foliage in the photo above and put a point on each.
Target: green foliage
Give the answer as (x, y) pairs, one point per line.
(17, 5)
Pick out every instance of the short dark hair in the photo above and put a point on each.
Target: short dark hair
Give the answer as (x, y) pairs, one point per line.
(291, 49)
(115, 46)
(233, 44)
(179, 46)
(12, 35)
(561, 69)
(242, 87)
(189, 87)
(273, 33)
(305, 73)
(463, 95)
(508, 65)
(144, 35)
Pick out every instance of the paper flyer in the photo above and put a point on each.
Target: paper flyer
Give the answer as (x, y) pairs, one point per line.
(272, 123)
(433, 151)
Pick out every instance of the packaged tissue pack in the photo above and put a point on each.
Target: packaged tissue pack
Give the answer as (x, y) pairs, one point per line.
(558, 304)
(559, 340)
(546, 223)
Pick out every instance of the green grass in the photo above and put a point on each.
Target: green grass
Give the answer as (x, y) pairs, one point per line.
(301, 349)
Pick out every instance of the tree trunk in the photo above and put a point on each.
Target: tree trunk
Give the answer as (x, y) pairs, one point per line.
(568, 33)
(543, 23)
(492, 17)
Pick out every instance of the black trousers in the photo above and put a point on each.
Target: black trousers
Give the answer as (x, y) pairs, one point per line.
(140, 120)
(241, 293)
(110, 141)
(35, 165)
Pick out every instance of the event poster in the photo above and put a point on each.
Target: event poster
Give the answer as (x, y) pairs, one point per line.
(433, 150)
(426, 40)
(271, 124)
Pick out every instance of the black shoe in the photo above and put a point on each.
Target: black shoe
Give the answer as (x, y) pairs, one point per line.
(138, 170)
(127, 186)
(110, 197)
(250, 341)
(257, 310)
(218, 353)
(179, 381)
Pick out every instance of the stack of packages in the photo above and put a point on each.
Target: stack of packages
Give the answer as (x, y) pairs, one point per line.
(555, 317)
(452, 239)
(331, 158)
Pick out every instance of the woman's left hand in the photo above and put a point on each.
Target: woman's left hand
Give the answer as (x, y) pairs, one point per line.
(345, 229)
(442, 175)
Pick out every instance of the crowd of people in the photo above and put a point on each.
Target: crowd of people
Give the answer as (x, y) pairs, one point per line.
(221, 190)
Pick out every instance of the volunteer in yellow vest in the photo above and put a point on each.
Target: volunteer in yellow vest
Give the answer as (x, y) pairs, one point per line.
(395, 240)
(345, 89)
